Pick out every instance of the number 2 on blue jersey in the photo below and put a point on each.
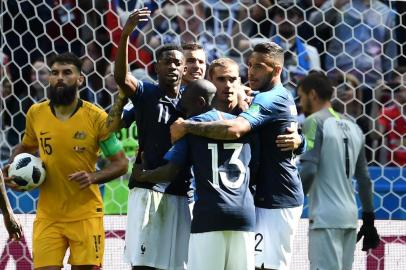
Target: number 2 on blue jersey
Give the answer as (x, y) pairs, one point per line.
(234, 160)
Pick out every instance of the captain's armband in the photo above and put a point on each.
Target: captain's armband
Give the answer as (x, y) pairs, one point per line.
(111, 145)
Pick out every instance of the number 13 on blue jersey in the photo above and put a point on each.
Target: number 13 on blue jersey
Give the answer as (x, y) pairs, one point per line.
(213, 147)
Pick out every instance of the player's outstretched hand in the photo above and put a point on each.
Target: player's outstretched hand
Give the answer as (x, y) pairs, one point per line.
(13, 226)
(368, 232)
(138, 15)
(290, 141)
(178, 129)
(84, 179)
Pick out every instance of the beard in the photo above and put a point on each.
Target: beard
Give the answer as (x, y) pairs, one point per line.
(63, 96)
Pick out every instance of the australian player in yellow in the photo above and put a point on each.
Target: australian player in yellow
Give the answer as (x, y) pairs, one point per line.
(68, 133)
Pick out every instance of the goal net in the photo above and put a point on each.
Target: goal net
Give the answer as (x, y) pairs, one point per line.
(359, 44)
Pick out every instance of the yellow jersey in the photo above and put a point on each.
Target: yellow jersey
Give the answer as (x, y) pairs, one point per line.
(67, 147)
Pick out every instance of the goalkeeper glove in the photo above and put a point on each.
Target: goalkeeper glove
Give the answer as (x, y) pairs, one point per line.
(368, 231)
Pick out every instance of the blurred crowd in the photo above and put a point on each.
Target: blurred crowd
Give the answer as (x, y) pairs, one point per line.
(360, 44)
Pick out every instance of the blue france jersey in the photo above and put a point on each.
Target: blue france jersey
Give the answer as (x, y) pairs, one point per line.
(278, 181)
(155, 112)
(129, 115)
(223, 200)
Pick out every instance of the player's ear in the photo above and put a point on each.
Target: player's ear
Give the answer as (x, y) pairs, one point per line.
(201, 102)
(81, 79)
(277, 70)
(313, 94)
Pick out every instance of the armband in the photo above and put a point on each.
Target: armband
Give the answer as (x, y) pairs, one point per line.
(111, 145)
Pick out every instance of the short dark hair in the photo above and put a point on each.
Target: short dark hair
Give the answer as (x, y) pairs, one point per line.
(167, 47)
(192, 46)
(271, 49)
(202, 88)
(320, 83)
(66, 58)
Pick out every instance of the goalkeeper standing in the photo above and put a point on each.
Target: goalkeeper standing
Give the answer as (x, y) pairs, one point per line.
(335, 154)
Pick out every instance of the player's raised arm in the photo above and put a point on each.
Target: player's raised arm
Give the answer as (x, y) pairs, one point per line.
(123, 78)
(114, 121)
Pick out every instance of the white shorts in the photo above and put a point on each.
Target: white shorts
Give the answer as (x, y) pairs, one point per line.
(275, 230)
(158, 229)
(221, 250)
(332, 248)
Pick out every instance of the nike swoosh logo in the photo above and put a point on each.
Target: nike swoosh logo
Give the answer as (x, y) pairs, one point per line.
(43, 133)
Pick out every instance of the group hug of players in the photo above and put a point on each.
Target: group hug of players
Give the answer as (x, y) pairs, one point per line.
(236, 149)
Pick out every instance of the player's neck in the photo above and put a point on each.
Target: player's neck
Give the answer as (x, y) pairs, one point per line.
(275, 81)
(321, 105)
(64, 112)
(224, 106)
(172, 91)
(185, 82)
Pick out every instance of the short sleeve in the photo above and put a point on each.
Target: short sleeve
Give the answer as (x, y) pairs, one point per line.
(178, 154)
(128, 116)
(29, 136)
(137, 96)
(257, 114)
(100, 125)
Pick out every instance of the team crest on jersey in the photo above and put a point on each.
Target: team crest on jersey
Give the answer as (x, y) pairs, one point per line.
(254, 109)
(143, 249)
(79, 149)
(79, 135)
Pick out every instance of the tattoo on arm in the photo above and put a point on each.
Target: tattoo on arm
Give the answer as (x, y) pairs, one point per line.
(114, 116)
(218, 130)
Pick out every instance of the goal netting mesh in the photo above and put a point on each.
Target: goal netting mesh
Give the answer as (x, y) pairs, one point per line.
(359, 44)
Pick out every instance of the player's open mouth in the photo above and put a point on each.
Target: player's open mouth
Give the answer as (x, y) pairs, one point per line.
(196, 74)
(172, 76)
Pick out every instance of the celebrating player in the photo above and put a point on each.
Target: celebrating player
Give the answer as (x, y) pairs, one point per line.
(68, 132)
(122, 113)
(222, 234)
(230, 95)
(158, 222)
(279, 194)
(332, 207)
(195, 59)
